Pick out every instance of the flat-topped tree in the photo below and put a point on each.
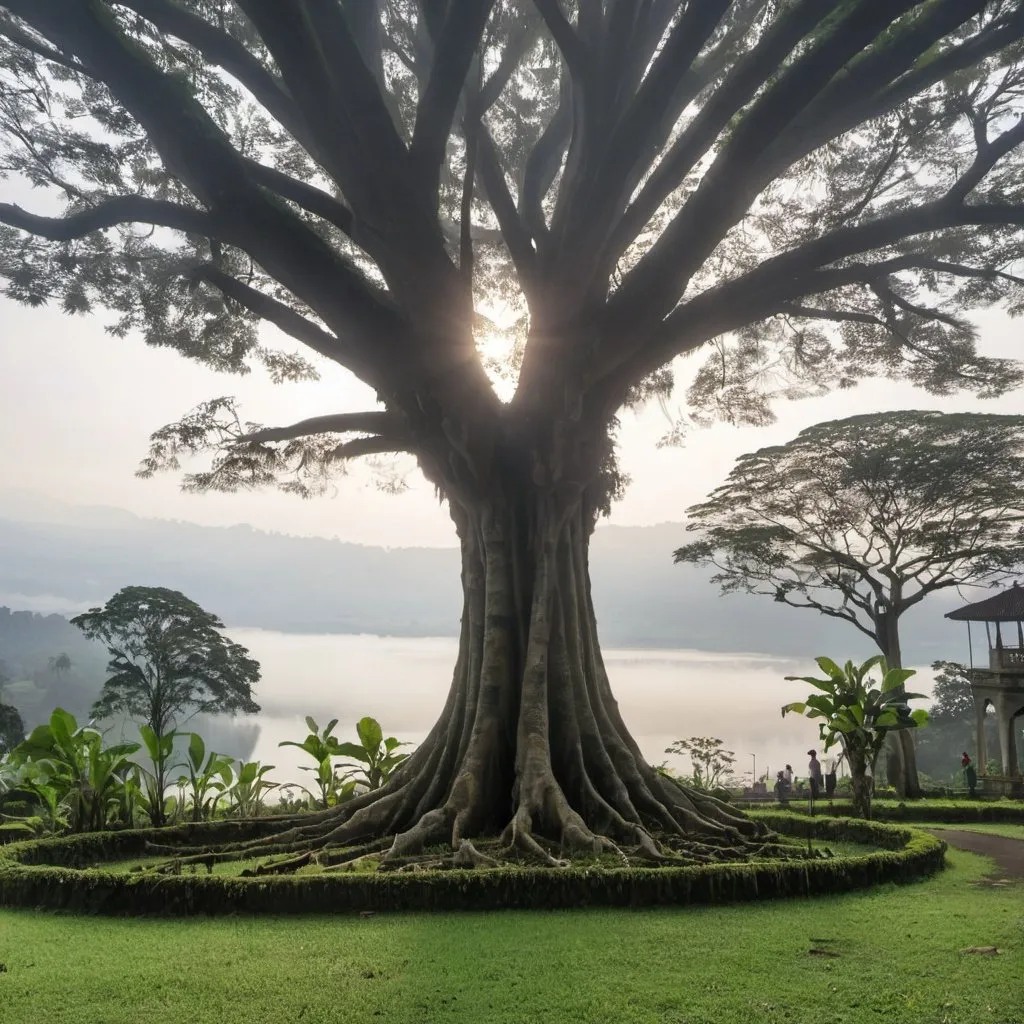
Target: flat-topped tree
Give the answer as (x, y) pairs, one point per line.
(812, 191)
(861, 519)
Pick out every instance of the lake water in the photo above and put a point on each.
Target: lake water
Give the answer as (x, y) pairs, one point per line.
(663, 695)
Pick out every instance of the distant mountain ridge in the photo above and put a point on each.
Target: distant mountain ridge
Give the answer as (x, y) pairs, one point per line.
(58, 557)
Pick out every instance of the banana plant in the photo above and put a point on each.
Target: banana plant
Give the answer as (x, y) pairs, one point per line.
(375, 754)
(86, 775)
(208, 779)
(323, 748)
(250, 788)
(857, 713)
(161, 753)
(33, 780)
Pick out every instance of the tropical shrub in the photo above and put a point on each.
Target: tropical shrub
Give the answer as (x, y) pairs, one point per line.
(250, 788)
(323, 748)
(375, 754)
(72, 768)
(208, 780)
(858, 715)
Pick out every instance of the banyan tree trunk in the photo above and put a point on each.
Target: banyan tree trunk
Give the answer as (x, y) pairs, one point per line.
(530, 746)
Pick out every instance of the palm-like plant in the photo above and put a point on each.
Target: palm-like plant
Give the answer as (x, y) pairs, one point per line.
(374, 752)
(84, 774)
(250, 787)
(161, 752)
(208, 778)
(323, 747)
(857, 712)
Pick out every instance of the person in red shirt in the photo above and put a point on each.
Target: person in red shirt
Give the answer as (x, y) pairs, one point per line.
(970, 775)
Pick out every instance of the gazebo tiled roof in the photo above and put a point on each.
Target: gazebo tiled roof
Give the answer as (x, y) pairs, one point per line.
(1005, 607)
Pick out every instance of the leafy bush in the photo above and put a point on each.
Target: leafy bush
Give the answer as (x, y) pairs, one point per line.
(70, 772)
(324, 747)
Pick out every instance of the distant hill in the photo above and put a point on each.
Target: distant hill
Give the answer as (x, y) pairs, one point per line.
(57, 557)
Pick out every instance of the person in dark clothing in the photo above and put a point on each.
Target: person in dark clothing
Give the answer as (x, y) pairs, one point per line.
(814, 774)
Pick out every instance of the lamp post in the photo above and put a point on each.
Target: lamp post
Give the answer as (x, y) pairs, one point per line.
(753, 770)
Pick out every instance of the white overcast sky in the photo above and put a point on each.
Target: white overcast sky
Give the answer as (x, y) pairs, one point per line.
(78, 406)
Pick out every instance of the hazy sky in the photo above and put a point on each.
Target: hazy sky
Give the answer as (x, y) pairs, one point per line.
(79, 405)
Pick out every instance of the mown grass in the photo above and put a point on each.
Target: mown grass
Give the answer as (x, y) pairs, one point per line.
(898, 960)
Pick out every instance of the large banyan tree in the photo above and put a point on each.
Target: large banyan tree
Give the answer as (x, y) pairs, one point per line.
(508, 218)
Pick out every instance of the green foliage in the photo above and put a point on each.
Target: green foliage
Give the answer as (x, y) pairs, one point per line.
(710, 762)
(251, 786)
(862, 518)
(323, 747)
(67, 766)
(161, 752)
(375, 753)
(168, 659)
(208, 779)
(858, 714)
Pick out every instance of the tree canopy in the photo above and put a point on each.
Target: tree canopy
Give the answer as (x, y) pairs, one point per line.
(434, 192)
(168, 659)
(862, 518)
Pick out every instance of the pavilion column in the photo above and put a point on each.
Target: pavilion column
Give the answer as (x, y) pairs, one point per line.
(1004, 723)
(981, 754)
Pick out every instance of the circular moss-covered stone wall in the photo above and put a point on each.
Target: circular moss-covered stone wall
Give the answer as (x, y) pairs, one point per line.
(74, 873)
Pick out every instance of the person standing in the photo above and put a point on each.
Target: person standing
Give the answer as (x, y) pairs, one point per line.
(970, 775)
(830, 775)
(814, 774)
(787, 778)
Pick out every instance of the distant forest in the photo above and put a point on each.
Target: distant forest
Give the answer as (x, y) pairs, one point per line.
(29, 643)
(69, 558)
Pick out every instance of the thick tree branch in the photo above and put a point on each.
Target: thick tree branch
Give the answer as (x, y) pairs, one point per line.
(544, 160)
(111, 213)
(370, 422)
(740, 85)
(195, 149)
(653, 287)
(598, 200)
(23, 39)
(338, 95)
(572, 47)
(226, 52)
(348, 354)
(309, 197)
(514, 232)
(453, 54)
(372, 446)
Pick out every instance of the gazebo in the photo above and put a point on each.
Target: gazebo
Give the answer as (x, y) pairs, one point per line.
(1000, 685)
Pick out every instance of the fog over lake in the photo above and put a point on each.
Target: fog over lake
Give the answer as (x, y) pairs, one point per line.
(663, 694)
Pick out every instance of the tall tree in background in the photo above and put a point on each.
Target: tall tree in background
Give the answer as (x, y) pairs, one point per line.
(861, 519)
(169, 660)
(508, 218)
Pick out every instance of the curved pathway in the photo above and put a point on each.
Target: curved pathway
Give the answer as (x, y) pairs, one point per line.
(1007, 853)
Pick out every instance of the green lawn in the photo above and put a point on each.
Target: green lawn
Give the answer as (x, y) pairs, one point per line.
(685, 966)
